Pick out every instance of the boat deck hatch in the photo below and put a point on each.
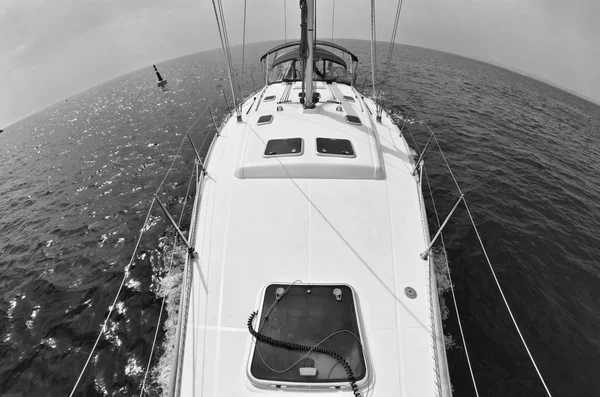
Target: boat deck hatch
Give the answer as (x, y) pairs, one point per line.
(335, 147)
(307, 315)
(284, 147)
(353, 119)
(265, 119)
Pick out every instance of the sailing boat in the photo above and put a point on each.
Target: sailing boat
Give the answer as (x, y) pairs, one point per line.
(161, 82)
(310, 271)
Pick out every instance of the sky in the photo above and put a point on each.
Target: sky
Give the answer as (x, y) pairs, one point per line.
(50, 50)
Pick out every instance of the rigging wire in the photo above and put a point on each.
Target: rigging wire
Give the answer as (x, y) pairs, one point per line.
(112, 307)
(164, 300)
(462, 334)
(126, 269)
(393, 40)
(221, 25)
(284, 21)
(485, 253)
(244, 42)
(505, 301)
(314, 21)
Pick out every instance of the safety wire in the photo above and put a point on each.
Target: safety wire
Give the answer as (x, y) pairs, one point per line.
(194, 170)
(462, 334)
(126, 270)
(164, 300)
(514, 321)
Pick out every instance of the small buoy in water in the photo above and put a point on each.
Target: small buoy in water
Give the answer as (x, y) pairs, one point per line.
(161, 82)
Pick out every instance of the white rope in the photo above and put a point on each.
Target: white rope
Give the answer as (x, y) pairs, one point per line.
(506, 302)
(462, 334)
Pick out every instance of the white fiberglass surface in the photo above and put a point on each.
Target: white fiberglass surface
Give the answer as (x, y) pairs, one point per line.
(366, 233)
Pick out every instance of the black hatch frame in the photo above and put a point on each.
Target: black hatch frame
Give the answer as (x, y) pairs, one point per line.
(308, 315)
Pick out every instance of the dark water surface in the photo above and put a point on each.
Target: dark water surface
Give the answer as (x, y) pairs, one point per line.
(78, 179)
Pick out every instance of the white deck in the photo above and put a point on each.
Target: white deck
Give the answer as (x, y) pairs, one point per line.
(315, 219)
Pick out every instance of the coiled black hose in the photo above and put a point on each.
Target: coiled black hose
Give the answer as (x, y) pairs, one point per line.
(295, 346)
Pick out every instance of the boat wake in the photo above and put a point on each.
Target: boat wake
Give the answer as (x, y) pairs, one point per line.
(444, 285)
(174, 254)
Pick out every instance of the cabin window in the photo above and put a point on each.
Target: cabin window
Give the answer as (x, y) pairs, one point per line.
(265, 119)
(335, 147)
(307, 315)
(353, 120)
(269, 98)
(284, 147)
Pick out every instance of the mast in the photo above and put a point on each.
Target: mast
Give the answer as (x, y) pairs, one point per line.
(308, 6)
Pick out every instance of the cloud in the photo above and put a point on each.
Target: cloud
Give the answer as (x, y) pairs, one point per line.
(84, 42)
(37, 28)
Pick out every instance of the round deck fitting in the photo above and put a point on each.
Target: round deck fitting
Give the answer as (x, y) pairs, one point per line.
(410, 292)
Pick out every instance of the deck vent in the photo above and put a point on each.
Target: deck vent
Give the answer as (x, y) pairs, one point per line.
(335, 147)
(348, 98)
(269, 98)
(353, 119)
(284, 147)
(265, 119)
